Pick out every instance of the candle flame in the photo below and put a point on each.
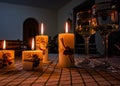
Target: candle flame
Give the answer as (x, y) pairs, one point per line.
(89, 22)
(32, 47)
(4, 44)
(66, 27)
(42, 29)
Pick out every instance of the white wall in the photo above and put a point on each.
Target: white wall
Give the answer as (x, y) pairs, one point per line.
(12, 18)
(65, 12)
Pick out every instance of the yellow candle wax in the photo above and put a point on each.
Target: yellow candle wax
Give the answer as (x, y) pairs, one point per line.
(7, 59)
(32, 59)
(42, 44)
(66, 50)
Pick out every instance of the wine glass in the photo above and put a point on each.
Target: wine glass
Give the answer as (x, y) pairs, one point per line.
(107, 17)
(85, 26)
(104, 31)
(86, 31)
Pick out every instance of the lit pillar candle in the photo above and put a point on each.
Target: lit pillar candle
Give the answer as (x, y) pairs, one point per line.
(66, 49)
(42, 44)
(6, 57)
(32, 59)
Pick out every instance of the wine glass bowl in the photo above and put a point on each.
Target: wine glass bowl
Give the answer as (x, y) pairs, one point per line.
(106, 29)
(86, 30)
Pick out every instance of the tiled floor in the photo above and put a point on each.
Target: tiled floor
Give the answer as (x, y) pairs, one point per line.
(54, 76)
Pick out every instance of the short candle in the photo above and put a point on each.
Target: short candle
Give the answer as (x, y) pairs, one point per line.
(32, 59)
(6, 57)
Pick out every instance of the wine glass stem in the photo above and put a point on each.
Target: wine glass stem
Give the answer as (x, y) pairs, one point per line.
(87, 45)
(106, 46)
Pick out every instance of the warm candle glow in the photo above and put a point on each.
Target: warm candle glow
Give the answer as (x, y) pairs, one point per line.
(32, 47)
(66, 27)
(42, 29)
(4, 44)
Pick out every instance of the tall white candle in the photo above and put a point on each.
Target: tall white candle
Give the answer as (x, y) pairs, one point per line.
(66, 49)
(42, 44)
